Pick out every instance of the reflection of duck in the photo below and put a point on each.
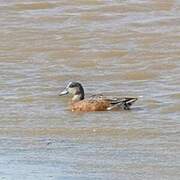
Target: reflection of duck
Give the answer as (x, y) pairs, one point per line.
(95, 102)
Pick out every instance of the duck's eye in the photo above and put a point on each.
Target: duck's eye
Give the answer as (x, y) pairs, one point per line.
(72, 85)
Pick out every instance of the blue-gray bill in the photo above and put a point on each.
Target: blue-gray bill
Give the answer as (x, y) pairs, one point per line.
(64, 92)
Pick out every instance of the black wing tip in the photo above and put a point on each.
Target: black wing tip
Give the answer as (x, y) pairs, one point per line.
(129, 102)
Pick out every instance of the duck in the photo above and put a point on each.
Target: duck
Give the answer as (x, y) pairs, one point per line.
(96, 102)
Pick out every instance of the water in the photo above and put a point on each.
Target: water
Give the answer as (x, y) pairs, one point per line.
(113, 47)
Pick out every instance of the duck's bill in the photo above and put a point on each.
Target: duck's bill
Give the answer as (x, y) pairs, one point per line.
(63, 93)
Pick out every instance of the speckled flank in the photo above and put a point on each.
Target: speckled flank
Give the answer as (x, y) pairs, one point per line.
(95, 105)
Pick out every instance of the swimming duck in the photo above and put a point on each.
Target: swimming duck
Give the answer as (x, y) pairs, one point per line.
(95, 102)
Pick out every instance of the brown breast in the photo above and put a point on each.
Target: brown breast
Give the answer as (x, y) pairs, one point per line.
(90, 105)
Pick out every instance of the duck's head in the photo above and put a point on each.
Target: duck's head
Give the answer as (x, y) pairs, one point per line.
(75, 89)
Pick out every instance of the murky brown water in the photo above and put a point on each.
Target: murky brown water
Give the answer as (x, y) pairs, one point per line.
(128, 47)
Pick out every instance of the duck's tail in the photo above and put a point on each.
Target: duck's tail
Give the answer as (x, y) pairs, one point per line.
(122, 103)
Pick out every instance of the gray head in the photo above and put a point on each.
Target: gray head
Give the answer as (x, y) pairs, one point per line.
(75, 89)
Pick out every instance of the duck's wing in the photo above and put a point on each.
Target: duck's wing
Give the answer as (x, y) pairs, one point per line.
(114, 102)
(122, 103)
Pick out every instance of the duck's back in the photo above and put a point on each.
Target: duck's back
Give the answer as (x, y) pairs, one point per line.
(100, 103)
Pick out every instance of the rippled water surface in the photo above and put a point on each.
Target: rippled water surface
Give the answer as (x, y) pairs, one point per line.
(126, 48)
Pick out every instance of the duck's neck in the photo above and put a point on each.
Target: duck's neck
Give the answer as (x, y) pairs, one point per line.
(78, 97)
